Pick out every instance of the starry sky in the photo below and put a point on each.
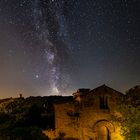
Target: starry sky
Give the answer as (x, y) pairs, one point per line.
(54, 47)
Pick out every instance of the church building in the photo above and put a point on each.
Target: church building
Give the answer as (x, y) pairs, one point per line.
(88, 116)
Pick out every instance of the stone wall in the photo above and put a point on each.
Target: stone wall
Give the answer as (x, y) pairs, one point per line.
(89, 117)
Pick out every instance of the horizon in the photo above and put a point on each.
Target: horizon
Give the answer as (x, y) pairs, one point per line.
(63, 95)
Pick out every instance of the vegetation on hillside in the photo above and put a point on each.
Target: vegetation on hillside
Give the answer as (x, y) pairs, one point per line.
(22, 119)
(130, 114)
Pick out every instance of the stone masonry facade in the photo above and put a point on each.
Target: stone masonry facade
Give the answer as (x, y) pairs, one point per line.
(88, 116)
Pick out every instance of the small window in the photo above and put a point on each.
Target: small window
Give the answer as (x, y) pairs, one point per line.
(103, 102)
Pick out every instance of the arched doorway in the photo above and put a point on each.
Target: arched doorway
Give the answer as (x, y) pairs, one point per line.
(103, 129)
(103, 133)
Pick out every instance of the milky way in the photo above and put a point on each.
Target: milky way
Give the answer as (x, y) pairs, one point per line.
(48, 20)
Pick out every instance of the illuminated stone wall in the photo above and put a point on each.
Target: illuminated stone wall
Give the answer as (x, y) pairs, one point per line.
(89, 115)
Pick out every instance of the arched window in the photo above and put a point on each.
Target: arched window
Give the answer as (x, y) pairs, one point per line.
(103, 102)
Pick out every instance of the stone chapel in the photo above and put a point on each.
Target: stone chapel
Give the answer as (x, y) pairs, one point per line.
(88, 115)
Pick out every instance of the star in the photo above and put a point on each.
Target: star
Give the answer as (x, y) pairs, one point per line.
(36, 76)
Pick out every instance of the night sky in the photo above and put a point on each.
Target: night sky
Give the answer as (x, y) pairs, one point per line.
(52, 47)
